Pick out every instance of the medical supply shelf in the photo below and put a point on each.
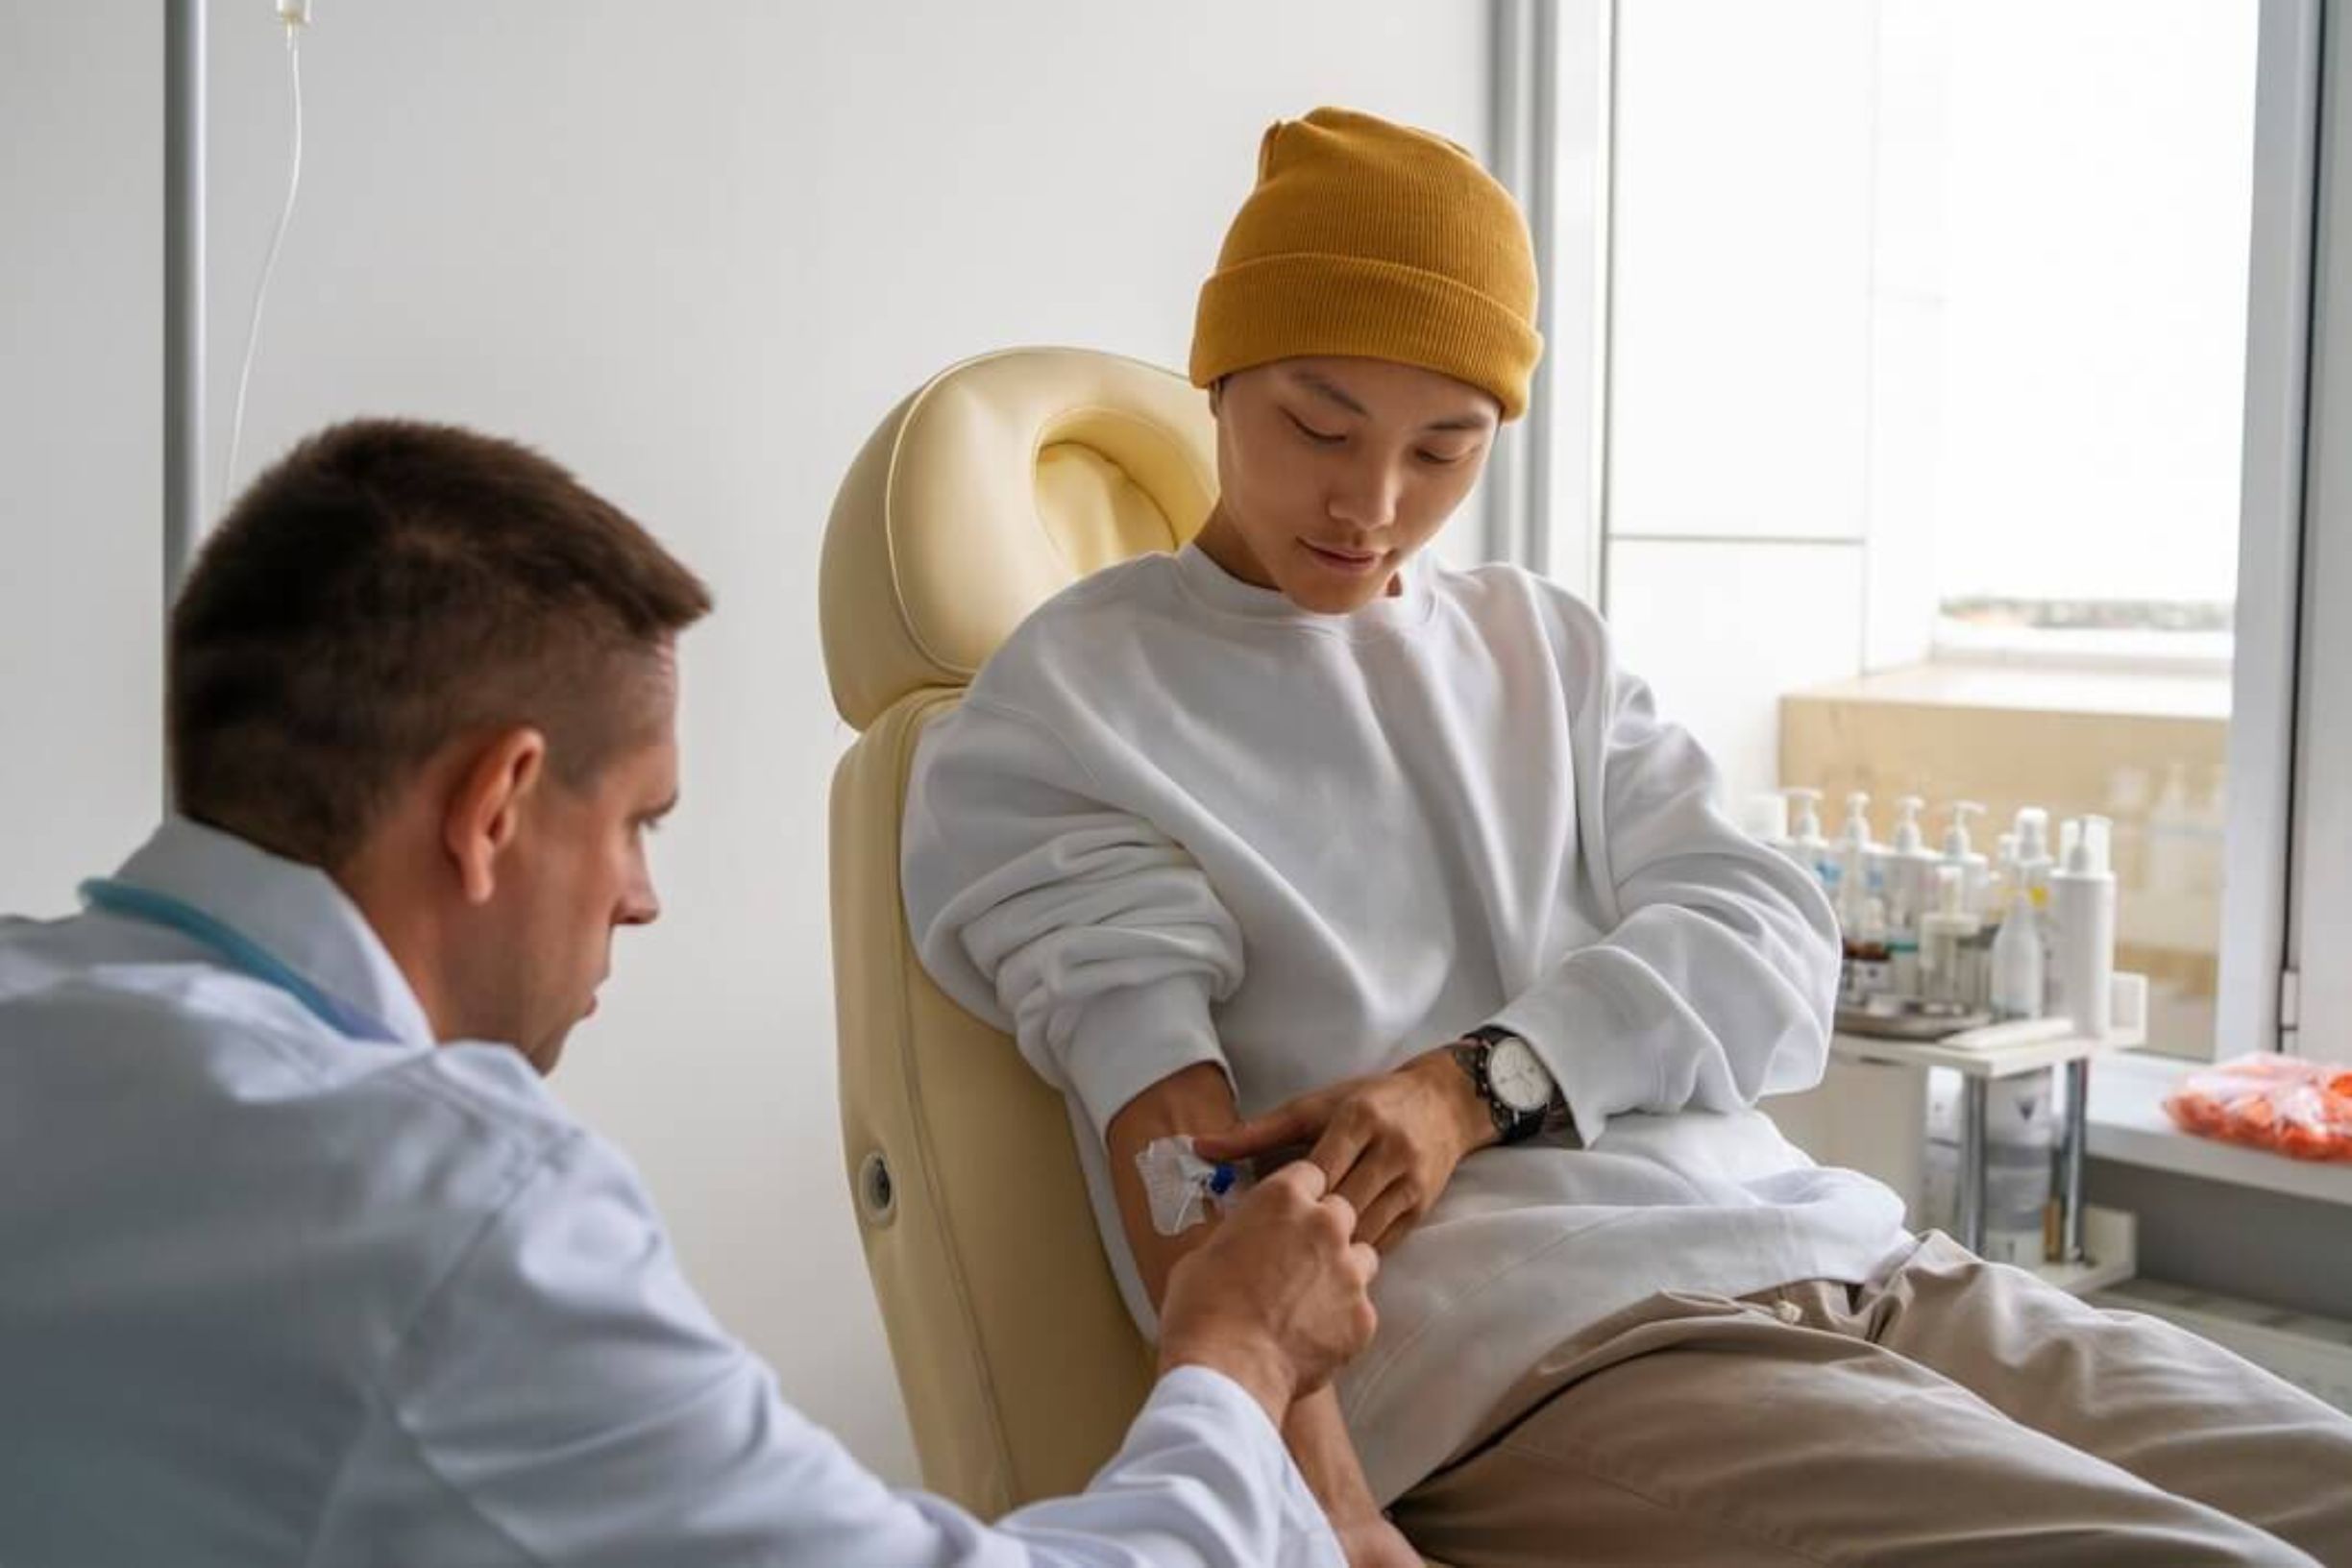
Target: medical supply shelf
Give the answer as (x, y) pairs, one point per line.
(2096, 1247)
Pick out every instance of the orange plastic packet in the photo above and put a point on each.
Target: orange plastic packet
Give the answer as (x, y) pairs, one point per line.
(2267, 1101)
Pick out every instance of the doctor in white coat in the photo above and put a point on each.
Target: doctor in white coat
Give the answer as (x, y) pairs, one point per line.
(299, 1261)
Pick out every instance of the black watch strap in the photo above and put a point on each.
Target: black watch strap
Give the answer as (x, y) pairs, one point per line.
(1472, 1052)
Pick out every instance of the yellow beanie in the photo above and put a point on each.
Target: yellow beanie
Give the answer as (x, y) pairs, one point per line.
(1377, 241)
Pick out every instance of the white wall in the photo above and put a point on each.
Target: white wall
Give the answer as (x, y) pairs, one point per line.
(81, 443)
(696, 252)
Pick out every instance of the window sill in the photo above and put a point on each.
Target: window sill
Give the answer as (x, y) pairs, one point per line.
(1974, 683)
(2128, 1125)
(2121, 651)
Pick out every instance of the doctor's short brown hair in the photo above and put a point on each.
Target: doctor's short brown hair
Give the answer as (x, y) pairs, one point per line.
(387, 587)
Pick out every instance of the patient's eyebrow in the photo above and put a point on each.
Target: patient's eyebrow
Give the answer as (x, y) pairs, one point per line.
(1313, 382)
(1325, 390)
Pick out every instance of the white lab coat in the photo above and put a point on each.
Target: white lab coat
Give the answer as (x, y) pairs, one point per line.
(272, 1293)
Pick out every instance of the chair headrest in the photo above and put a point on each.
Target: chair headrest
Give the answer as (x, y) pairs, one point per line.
(994, 487)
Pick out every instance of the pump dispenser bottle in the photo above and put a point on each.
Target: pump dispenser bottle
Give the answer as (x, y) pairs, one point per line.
(1947, 936)
(1960, 851)
(1857, 860)
(1911, 867)
(2034, 866)
(2032, 863)
(1806, 845)
(2018, 973)
(2083, 894)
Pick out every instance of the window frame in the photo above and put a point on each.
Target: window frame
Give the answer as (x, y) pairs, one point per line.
(2319, 918)
(2263, 848)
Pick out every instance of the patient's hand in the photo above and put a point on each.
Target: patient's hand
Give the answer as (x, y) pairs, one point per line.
(1387, 1144)
(1278, 1297)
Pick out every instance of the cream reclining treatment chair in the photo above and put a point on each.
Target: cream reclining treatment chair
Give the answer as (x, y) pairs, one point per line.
(1000, 482)
(1003, 480)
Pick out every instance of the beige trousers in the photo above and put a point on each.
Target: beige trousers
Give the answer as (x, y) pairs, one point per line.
(1956, 1412)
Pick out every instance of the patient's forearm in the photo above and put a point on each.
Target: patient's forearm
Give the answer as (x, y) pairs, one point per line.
(1199, 1100)
(1196, 1100)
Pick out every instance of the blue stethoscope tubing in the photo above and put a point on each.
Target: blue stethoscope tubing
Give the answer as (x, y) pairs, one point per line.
(135, 902)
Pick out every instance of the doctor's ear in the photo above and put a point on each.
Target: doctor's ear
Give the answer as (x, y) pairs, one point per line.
(1216, 397)
(484, 810)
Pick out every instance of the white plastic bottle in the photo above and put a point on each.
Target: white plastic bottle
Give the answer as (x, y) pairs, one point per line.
(2018, 969)
(2054, 921)
(1995, 906)
(1960, 851)
(1990, 908)
(1857, 859)
(2034, 866)
(1869, 968)
(1946, 932)
(2033, 853)
(2083, 892)
(1910, 894)
(1806, 845)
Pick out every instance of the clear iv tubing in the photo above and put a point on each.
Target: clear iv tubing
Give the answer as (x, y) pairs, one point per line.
(269, 266)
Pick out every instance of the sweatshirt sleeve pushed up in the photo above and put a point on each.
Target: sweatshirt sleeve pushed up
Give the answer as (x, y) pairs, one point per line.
(1088, 934)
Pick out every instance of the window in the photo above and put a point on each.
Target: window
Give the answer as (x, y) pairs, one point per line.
(1915, 454)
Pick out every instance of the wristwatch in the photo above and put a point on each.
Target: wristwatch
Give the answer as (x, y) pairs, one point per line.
(1518, 1089)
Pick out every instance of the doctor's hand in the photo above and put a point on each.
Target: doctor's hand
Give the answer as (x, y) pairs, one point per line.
(1387, 1144)
(1278, 1297)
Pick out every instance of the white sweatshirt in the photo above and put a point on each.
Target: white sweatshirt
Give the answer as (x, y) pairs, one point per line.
(1178, 820)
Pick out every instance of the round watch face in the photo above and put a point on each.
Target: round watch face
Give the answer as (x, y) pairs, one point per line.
(1518, 1076)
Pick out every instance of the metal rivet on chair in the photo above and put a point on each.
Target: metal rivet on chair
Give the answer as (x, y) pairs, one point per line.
(877, 1194)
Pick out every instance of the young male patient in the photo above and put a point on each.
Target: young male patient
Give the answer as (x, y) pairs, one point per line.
(1299, 826)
